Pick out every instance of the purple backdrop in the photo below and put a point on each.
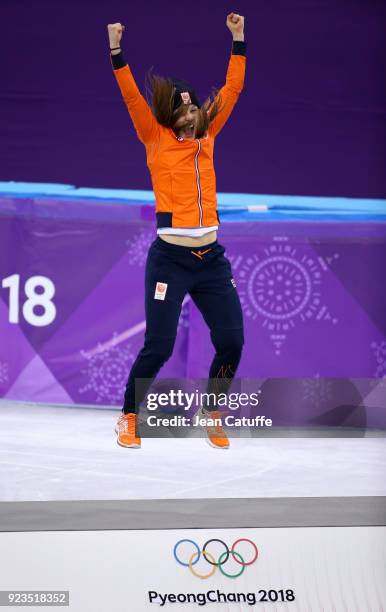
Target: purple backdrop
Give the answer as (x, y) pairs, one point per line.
(313, 297)
(310, 121)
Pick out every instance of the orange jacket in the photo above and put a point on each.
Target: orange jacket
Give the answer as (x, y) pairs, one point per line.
(182, 171)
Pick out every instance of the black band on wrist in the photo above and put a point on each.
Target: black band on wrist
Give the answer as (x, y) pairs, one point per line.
(118, 60)
(239, 47)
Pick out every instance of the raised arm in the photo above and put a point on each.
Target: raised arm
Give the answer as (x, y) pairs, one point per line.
(143, 119)
(235, 74)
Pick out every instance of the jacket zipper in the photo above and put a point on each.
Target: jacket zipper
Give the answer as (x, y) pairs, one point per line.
(199, 201)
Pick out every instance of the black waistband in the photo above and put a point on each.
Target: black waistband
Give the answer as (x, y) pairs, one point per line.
(180, 248)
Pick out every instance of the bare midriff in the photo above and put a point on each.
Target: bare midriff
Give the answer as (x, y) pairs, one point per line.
(190, 241)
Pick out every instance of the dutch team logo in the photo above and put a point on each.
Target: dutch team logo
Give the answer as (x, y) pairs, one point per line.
(216, 554)
(160, 291)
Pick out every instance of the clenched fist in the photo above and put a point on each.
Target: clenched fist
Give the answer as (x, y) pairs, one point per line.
(235, 23)
(115, 31)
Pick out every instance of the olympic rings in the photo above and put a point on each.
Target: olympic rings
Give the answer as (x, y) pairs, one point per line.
(234, 554)
(227, 552)
(250, 542)
(202, 576)
(222, 559)
(181, 562)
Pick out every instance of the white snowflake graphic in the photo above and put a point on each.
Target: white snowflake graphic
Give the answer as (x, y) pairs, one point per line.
(235, 261)
(379, 349)
(4, 375)
(316, 391)
(107, 371)
(138, 247)
(282, 287)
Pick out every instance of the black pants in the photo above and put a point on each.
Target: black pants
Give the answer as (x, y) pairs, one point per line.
(205, 273)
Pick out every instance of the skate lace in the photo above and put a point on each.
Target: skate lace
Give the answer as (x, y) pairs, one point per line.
(215, 429)
(127, 425)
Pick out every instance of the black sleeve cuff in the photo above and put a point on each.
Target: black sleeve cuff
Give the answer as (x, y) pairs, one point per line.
(239, 47)
(118, 61)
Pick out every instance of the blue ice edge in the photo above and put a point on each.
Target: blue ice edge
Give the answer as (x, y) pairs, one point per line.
(227, 202)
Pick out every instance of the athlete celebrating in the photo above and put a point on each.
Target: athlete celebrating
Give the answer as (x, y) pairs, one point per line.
(178, 134)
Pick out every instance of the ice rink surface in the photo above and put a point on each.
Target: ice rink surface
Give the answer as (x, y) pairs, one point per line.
(59, 453)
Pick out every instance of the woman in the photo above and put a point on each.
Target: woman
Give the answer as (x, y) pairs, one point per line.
(179, 137)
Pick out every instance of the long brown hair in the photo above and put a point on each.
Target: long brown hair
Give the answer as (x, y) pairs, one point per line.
(161, 90)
